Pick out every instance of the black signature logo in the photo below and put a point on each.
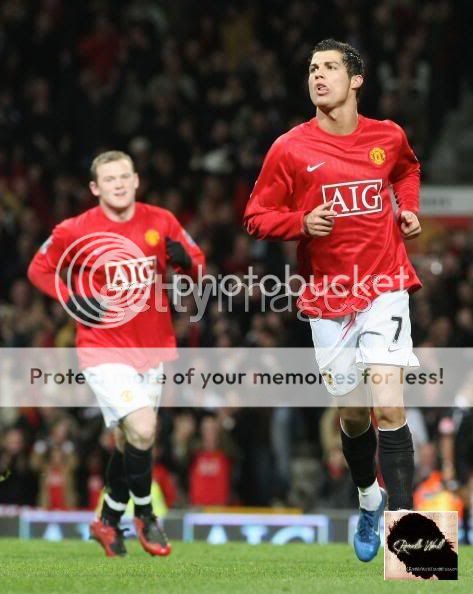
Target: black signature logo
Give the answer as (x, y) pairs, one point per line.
(418, 542)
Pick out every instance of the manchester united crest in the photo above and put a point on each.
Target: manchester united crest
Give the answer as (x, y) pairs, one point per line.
(152, 237)
(127, 395)
(378, 155)
(328, 377)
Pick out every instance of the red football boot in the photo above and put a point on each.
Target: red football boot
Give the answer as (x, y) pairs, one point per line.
(151, 535)
(109, 537)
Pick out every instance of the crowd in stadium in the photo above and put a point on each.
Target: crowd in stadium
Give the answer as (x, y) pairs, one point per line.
(197, 105)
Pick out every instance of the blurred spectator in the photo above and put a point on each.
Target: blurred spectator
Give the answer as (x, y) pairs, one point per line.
(182, 443)
(335, 487)
(95, 483)
(435, 494)
(210, 470)
(20, 487)
(163, 477)
(439, 489)
(56, 469)
(55, 460)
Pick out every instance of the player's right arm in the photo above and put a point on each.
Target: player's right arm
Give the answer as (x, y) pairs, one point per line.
(43, 270)
(271, 212)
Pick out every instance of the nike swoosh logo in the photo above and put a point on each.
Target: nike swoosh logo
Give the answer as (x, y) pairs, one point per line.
(311, 168)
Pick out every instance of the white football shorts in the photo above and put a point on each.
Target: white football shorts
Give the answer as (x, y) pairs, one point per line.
(380, 335)
(120, 389)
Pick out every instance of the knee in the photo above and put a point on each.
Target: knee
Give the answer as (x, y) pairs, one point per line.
(142, 436)
(140, 431)
(390, 418)
(354, 420)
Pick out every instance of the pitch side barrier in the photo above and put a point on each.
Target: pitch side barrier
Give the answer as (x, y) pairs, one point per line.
(283, 527)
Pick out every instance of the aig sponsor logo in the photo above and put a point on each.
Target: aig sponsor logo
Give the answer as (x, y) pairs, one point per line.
(130, 274)
(355, 197)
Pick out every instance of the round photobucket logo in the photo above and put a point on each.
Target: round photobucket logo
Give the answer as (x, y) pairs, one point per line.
(108, 278)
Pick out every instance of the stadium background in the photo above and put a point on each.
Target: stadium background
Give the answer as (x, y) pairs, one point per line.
(196, 92)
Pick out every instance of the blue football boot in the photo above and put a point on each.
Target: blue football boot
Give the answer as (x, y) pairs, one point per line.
(367, 540)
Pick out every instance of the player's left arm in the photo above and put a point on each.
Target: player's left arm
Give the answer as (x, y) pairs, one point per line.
(405, 180)
(182, 252)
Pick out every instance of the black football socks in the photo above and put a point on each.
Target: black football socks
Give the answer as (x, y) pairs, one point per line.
(360, 452)
(138, 473)
(396, 459)
(116, 489)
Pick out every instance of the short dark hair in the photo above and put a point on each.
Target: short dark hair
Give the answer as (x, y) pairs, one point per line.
(351, 57)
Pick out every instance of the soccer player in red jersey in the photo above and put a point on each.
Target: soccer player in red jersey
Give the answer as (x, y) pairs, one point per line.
(327, 184)
(115, 256)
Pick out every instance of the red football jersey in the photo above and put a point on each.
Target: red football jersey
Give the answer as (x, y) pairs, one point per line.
(125, 259)
(209, 478)
(364, 254)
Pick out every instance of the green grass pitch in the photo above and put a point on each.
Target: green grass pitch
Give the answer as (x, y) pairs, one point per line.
(72, 567)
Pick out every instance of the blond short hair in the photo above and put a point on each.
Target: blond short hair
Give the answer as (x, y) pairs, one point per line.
(108, 157)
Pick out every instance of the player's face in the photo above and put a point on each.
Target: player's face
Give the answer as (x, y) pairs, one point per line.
(329, 83)
(116, 184)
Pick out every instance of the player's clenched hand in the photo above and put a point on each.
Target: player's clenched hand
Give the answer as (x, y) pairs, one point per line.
(409, 223)
(177, 254)
(86, 309)
(319, 222)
